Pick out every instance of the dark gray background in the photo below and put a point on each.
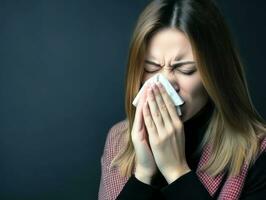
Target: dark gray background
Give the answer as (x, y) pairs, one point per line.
(62, 67)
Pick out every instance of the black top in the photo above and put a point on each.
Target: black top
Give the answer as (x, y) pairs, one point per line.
(189, 186)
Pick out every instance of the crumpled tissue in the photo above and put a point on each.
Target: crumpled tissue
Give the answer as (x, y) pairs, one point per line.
(178, 101)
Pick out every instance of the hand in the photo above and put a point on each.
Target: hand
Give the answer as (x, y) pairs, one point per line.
(166, 133)
(145, 163)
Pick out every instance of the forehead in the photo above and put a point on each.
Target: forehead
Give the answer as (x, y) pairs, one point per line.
(167, 41)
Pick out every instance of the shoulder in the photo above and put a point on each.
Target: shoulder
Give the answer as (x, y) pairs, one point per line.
(111, 180)
(114, 138)
(116, 130)
(118, 127)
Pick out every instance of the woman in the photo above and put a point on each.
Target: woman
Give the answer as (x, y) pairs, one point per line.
(216, 149)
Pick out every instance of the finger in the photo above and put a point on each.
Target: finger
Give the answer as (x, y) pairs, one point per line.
(155, 112)
(162, 107)
(150, 126)
(138, 114)
(169, 104)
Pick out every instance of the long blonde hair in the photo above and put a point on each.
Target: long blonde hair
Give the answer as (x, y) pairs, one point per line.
(236, 128)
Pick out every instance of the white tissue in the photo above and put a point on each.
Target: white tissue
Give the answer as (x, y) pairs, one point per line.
(169, 88)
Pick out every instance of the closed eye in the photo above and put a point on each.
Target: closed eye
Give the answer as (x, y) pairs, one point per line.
(175, 66)
(152, 63)
(183, 72)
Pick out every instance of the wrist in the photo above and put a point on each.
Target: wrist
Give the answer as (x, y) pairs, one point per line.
(173, 175)
(143, 178)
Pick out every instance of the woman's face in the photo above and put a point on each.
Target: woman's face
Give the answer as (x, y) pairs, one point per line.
(170, 53)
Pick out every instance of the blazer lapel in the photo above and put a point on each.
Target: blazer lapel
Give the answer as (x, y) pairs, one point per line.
(233, 186)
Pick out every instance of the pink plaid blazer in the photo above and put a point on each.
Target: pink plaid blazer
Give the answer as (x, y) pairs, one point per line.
(112, 182)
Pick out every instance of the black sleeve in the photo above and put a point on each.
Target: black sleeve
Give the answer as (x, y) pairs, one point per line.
(255, 184)
(189, 187)
(186, 187)
(135, 189)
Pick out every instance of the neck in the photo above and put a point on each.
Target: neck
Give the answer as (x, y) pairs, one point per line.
(194, 129)
(201, 118)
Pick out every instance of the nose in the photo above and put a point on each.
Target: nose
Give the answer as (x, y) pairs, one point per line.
(168, 73)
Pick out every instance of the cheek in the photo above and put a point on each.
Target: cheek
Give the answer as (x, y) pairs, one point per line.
(146, 76)
(196, 89)
(195, 97)
(192, 90)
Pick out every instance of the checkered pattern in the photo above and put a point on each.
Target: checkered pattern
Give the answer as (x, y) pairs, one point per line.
(112, 182)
